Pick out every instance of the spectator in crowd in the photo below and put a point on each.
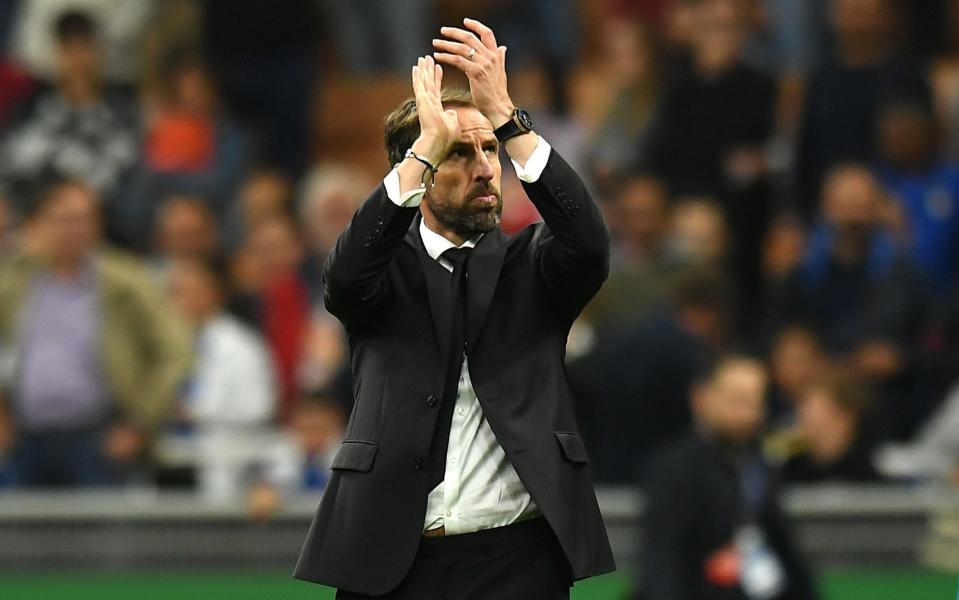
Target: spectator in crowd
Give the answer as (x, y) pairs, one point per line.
(185, 230)
(300, 461)
(642, 376)
(76, 130)
(925, 188)
(228, 402)
(836, 445)
(632, 81)
(98, 355)
(795, 360)
(843, 97)
(191, 147)
(273, 296)
(264, 193)
(861, 296)
(708, 137)
(329, 195)
(120, 27)
(642, 264)
(713, 525)
(698, 232)
(944, 79)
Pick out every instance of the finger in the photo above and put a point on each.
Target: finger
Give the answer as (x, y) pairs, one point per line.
(429, 78)
(454, 48)
(415, 77)
(455, 60)
(438, 77)
(466, 37)
(484, 33)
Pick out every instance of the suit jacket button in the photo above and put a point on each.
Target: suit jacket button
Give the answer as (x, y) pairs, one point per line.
(418, 463)
(431, 401)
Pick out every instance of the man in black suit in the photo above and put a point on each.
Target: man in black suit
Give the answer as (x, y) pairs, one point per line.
(462, 473)
(713, 527)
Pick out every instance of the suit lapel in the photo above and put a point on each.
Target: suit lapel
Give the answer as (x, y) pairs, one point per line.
(437, 290)
(485, 264)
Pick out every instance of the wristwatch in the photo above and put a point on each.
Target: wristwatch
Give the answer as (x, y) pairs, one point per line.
(519, 124)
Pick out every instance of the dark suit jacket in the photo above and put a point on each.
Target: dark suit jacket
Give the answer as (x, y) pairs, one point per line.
(694, 506)
(524, 293)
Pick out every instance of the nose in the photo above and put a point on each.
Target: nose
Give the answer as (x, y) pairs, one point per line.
(483, 167)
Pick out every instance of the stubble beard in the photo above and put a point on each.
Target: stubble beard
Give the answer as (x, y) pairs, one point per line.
(468, 218)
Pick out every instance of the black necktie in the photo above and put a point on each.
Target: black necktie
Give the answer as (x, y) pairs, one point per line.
(441, 433)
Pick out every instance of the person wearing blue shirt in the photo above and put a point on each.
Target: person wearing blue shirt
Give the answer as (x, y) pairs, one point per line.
(925, 190)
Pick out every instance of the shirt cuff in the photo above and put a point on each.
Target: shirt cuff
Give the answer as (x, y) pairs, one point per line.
(410, 199)
(535, 163)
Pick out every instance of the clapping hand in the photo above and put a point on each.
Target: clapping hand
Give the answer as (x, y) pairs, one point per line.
(439, 128)
(474, 51)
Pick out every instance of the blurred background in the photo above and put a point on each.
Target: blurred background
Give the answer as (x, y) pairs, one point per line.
(781, 179)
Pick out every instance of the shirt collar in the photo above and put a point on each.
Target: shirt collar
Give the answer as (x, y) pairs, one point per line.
(436, 244)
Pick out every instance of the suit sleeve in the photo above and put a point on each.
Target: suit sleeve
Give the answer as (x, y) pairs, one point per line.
(573, 249)
(354, 276)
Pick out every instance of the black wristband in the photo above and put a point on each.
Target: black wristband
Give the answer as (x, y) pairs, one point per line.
(414, 155)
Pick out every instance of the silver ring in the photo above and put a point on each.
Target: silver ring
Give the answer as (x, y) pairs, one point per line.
(469, 56)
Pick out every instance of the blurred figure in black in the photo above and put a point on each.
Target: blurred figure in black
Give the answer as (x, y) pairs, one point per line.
(844, 96)
(708, 137)
(642, 376)
(264, 56)
(713, 526)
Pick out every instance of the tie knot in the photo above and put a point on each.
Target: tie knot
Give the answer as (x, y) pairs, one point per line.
(457, 257)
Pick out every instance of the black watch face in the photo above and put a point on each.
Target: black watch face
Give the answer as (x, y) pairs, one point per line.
(524, 119)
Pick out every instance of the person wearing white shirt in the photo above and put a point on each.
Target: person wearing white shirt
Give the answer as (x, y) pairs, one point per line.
(230, 398)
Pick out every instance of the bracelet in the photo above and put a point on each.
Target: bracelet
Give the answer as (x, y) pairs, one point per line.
(430, 169)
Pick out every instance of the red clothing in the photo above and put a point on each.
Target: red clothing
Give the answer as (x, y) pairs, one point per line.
(286, 318)
(181, 142)
(15, 86)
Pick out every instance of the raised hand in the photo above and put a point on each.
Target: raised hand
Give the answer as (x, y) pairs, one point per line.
(474, 51)
(438, 128)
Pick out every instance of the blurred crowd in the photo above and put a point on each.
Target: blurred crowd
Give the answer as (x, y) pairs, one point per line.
(781, 179)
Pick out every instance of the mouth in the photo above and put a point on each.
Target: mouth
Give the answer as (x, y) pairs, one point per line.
(486, 200)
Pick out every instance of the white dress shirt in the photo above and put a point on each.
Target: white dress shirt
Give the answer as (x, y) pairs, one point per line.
(481, 489)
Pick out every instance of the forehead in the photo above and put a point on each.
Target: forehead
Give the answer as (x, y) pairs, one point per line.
(473, 124)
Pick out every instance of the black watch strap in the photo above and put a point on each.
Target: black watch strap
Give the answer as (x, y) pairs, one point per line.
(518, 124)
